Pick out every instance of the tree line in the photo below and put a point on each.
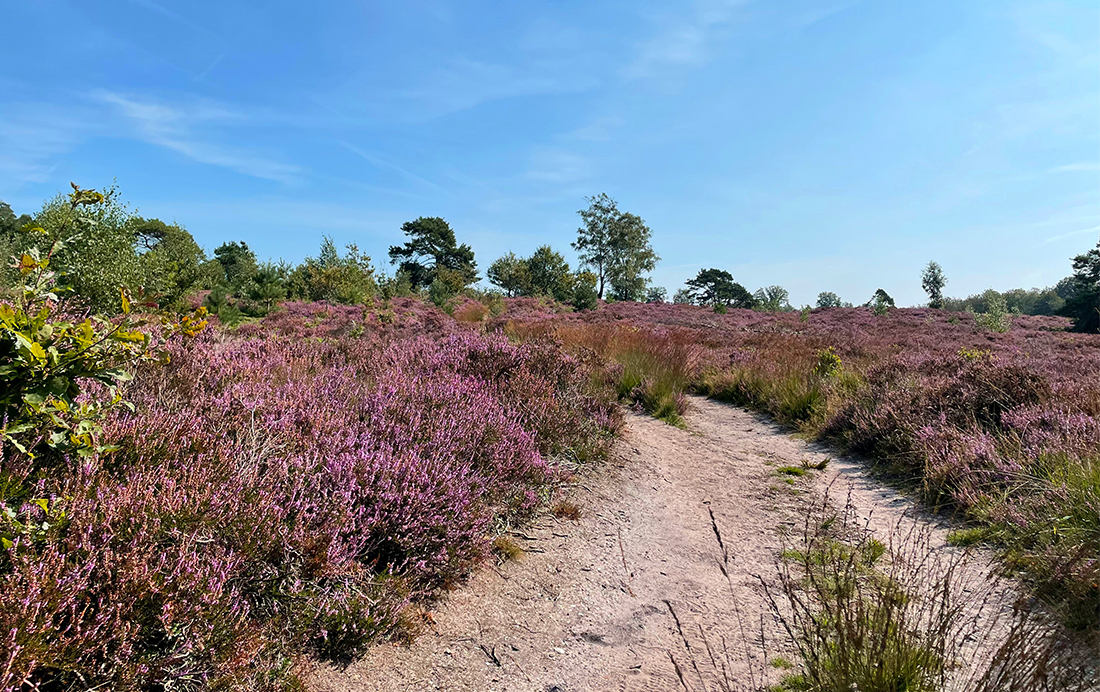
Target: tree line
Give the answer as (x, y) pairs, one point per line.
(1077, 296)
(161, 264)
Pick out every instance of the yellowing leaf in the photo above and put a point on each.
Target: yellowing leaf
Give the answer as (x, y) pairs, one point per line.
(125, 301)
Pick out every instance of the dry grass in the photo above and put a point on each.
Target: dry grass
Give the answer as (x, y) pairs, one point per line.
(901, 616)
(565, 509)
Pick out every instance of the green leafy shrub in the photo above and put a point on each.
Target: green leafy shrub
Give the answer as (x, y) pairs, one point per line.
(46, 359)
(996, 317)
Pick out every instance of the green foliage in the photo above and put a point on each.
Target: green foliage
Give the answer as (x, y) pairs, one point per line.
(396, 286)
(772, 299)
(996, 317)
(828, 299)
(45, 360)
(1033, 301)
(220, 303)
(95, 255)
(656, 294)
(441, 293)
(238, 264)
(880, 302)
(432, 248)
(932, 280)
(346, 279)
(510, 273)
(1082, 292)
(716, 287)
(268, 285)
(682, 297)
(856, 622)
(171, 263)
(585, 296)
(550, 275)
(616, 246)
(828, 363)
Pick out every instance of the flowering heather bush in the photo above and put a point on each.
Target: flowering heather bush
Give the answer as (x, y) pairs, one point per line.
(286, 489)
(1003, 427)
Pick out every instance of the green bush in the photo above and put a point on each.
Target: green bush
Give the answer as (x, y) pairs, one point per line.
(46, 360)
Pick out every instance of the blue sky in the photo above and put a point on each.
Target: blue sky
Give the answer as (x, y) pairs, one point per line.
(817, 144)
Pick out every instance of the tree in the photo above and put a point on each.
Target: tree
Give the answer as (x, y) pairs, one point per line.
(268, 285)
(10, 224)
(544, 273)
(772, 299)
(172, 264)
(431, 249)
(616, 246)
(11, 242)
(880, 302)
(682, 296)
(238, 264)
(656, 294)
(97, 258)
(584, 291)
(828, 299)
(347, 279)
(716, 287)
(932, 280)
(510, 274)
(1082, 292)
(880, 296)
(550, 275)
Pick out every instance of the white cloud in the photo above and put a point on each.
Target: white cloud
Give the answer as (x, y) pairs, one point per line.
(173, 127)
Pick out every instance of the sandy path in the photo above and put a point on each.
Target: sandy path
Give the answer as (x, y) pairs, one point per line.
(585, 608)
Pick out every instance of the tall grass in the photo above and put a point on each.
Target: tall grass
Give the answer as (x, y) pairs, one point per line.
(1003, 440)
(900, 616)
(653, 368)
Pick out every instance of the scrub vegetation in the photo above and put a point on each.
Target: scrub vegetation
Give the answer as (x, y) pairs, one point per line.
(215, 468)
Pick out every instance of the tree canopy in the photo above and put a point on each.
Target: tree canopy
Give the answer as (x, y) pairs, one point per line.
(932, 280)
(828, 299)
(238, 263)
(544, 273)
(1082, 299)
(716, 287)
(615, 245)
(432, 252)
(511, 275)
(772, 299)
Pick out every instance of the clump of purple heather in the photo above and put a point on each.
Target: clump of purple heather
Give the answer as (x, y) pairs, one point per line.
(285, 490)
(1003, 428)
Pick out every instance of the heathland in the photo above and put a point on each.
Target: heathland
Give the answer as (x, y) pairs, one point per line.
(217, 471)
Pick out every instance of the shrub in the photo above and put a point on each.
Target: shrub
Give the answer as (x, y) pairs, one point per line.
(585, 296)
(274, 495)
(996, 317)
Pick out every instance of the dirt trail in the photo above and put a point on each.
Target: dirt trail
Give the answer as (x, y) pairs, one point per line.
(585, 608)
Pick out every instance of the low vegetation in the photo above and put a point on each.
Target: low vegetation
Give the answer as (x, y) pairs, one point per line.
(193, 505)
(998, 428)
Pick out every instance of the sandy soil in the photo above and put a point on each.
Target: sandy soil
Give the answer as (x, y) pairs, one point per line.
(589, 606)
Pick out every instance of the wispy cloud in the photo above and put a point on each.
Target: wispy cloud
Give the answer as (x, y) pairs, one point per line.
(382, 163)
(1073, 234)
(1085, 166)
(174, 127)
(684, 42)
(558, 167)
(210, 38)
(464, 84)
(32, 137)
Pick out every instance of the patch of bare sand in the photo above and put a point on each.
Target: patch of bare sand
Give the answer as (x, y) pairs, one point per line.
(585, 608)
